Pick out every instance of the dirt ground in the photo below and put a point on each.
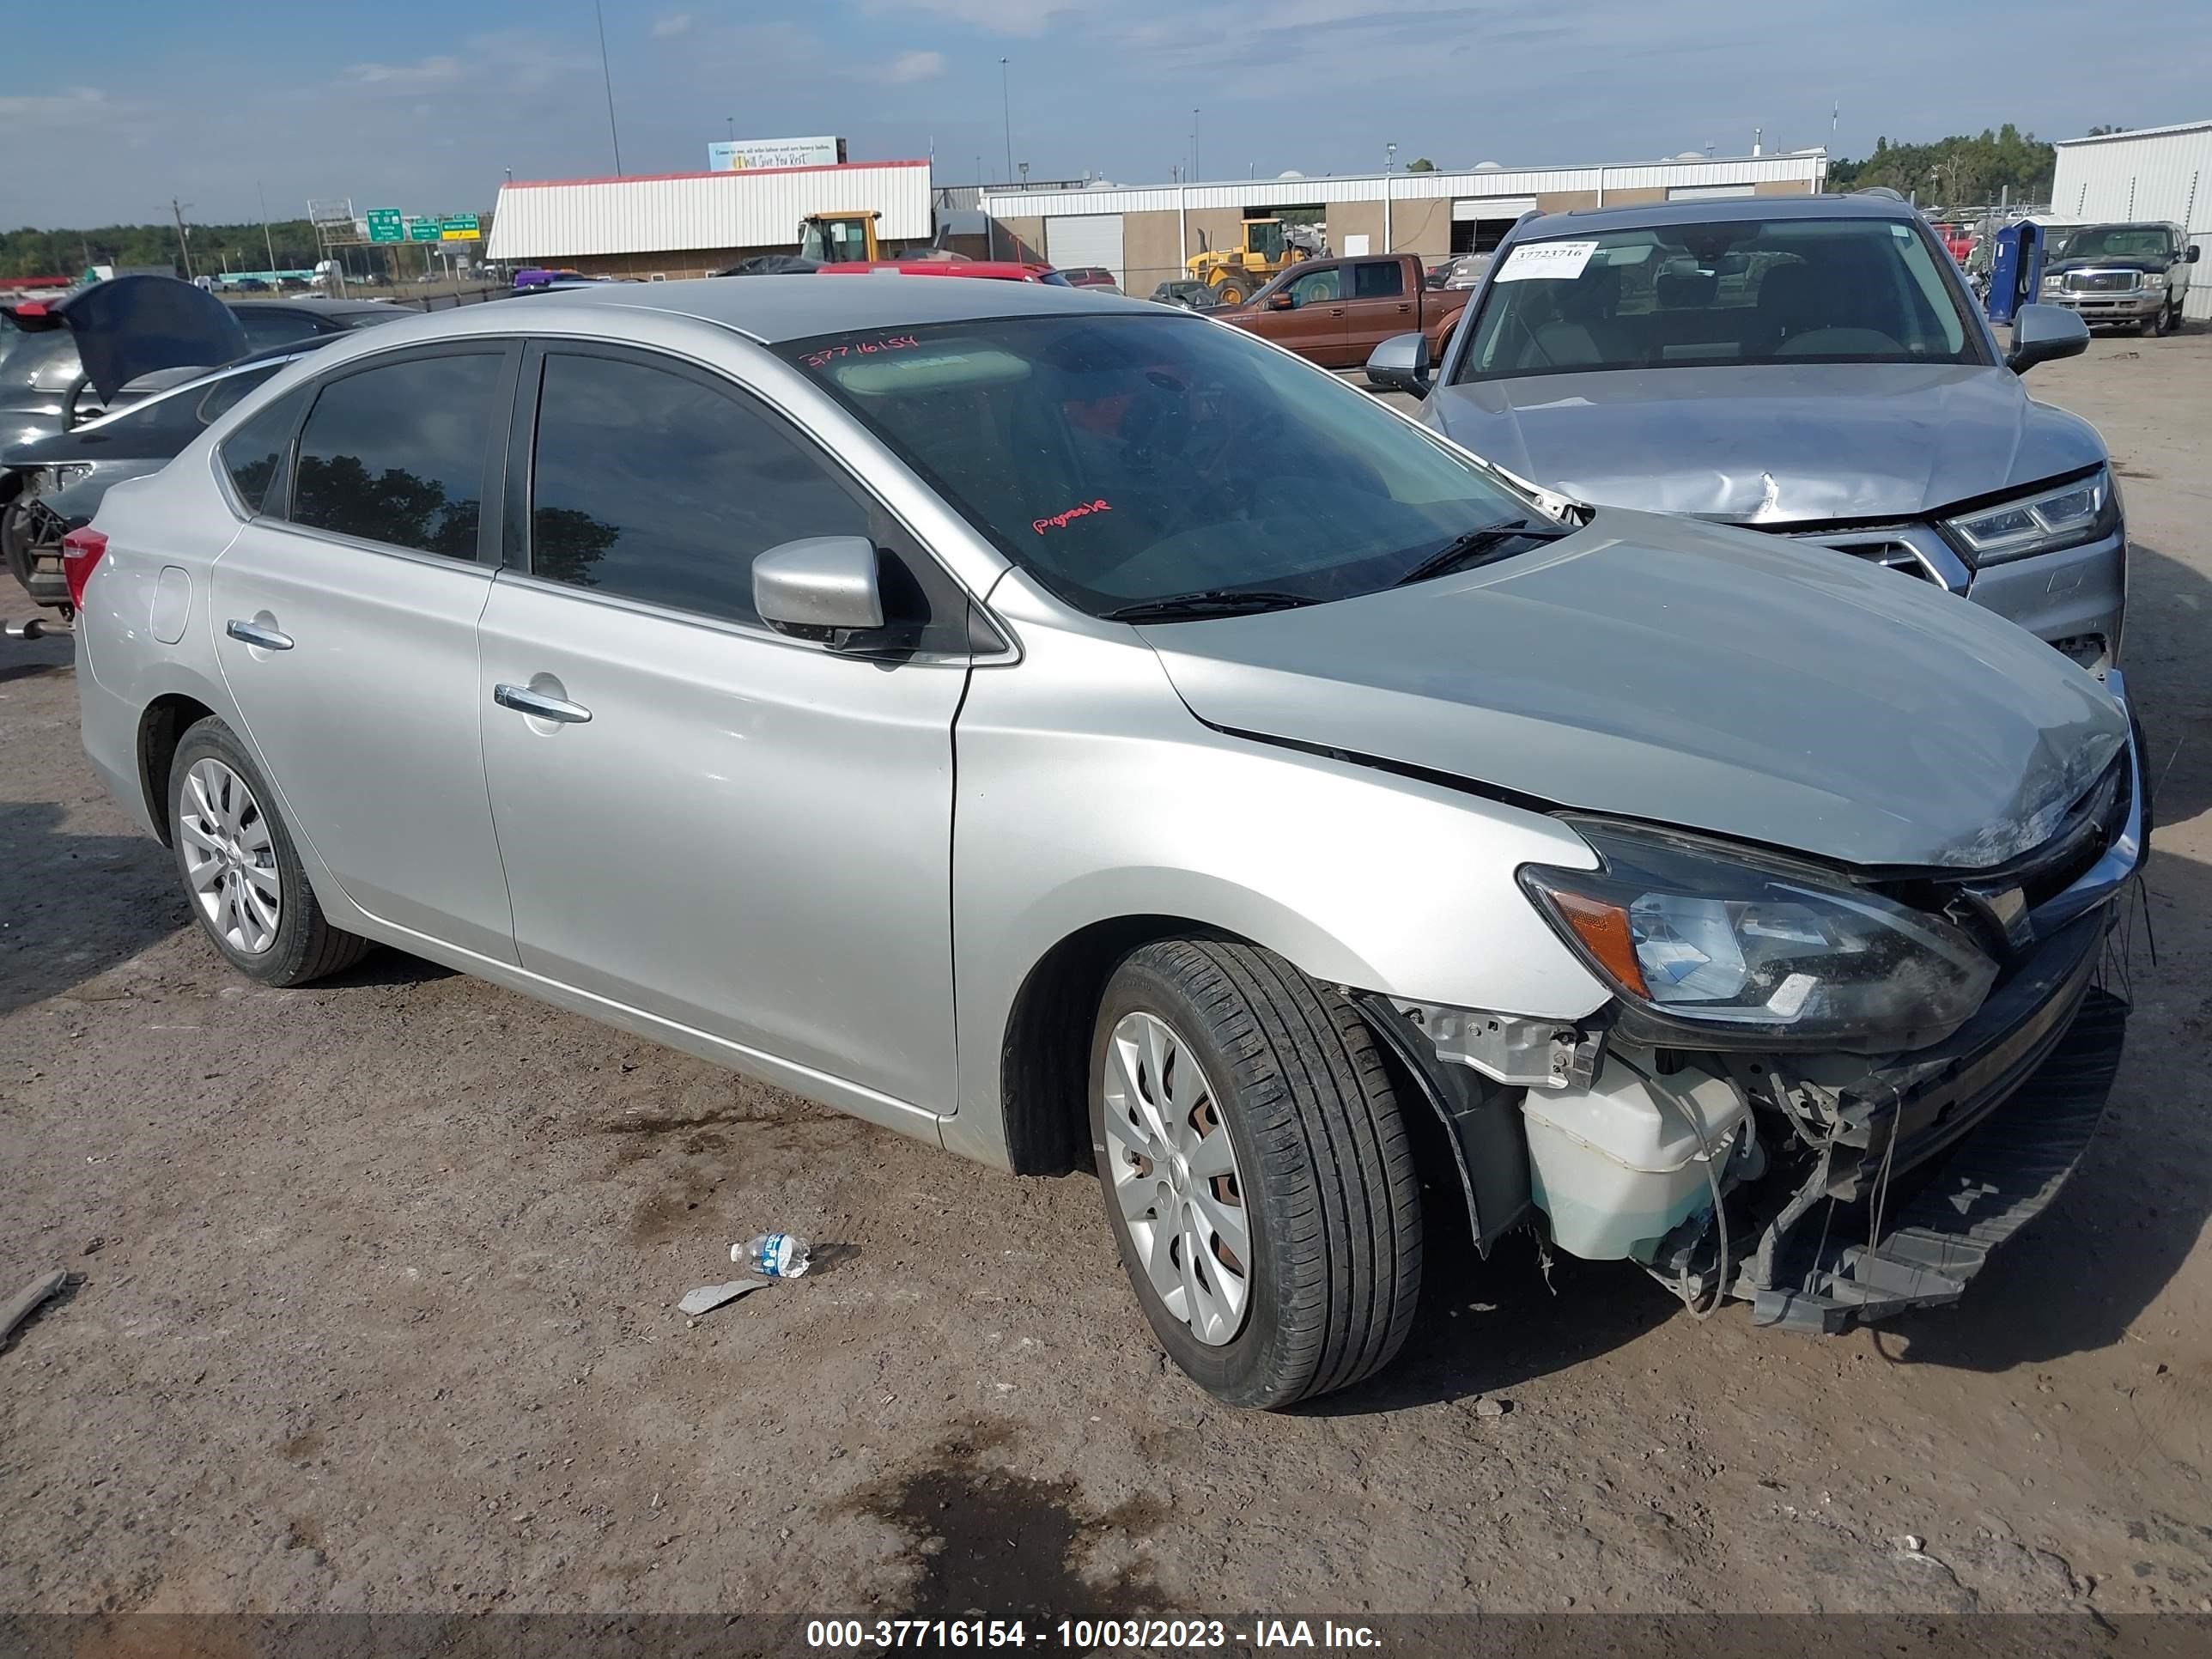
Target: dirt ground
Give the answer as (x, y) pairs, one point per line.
(377, 1286)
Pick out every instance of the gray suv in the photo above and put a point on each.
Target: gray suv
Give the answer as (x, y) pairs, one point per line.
(1813, 368)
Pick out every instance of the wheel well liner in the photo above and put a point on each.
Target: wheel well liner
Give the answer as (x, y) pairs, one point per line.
(1044, 1061)
(161, 729)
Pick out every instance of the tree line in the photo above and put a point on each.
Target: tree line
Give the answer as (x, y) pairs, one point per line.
(30, 253)
(1956, 172)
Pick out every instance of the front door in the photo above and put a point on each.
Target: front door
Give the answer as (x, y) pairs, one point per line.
(345, 618)
(1314, 325)
(746, 835)
(1376, 307)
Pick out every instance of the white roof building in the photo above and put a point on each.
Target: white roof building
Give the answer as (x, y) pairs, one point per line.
(685, 221)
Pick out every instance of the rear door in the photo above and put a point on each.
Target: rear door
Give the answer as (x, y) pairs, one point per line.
(743, 833)
(345, 615)
(1377, 306)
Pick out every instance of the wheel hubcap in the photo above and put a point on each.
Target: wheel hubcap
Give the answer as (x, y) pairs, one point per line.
(1176, 1178)
(230, 859)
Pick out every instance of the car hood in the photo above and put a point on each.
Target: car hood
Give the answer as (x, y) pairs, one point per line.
(2118, 262)
(1773, 444)
(1683, 674)
(133, 325)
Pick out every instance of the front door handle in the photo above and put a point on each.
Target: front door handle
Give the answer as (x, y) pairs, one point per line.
(247, 633)
(524, 701)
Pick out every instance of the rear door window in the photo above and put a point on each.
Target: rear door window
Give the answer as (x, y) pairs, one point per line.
(397, 453)
(268, 328)
(1382, 279)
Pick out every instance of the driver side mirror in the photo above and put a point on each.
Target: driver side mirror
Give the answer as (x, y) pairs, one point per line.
(1284, 301)
(1400, 363)
(2041, 334)
(2193, 250)
(820, 587)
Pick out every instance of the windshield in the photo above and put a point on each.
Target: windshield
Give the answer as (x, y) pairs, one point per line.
(1125, 458)
(1733, 292)
(2118, 242)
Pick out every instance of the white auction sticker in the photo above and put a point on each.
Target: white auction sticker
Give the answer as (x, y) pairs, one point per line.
(1543, 261)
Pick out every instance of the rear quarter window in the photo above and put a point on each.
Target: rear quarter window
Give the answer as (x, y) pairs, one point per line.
(257, 452)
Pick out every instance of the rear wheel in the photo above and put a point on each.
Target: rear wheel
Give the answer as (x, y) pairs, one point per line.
(248, 890)
(1259, 1180)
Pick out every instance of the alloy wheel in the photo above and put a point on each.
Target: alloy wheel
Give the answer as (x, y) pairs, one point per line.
(1176, 1178)
(230, 858)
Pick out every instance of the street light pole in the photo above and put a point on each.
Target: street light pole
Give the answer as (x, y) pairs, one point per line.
(607, 75)
(1194, 173)
(268, 242)
(1007, 109)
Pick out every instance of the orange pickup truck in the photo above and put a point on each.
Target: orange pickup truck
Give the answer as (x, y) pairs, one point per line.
(1335, 312)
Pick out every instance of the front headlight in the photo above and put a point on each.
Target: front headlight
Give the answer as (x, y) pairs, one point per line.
(2051, 284)
(1709, 946)
(2044, 522)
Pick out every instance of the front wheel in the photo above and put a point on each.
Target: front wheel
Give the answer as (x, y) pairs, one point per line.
(1232, 293)
(2154, 325)
(1259, 1180)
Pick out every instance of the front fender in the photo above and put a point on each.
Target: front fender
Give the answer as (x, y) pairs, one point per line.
(1089, 793)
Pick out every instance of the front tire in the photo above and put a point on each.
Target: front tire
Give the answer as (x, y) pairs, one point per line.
(241, 872)
(1258, 1179)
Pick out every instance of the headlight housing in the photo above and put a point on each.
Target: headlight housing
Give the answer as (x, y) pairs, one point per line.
(2064, 515)
(1711, 946)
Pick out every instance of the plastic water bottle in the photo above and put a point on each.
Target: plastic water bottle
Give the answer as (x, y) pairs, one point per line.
(773, 1256)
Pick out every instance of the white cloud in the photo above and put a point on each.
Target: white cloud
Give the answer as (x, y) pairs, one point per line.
(911, 66)
(77, 104)
(996, 16)
(438, 70)
(677, 23)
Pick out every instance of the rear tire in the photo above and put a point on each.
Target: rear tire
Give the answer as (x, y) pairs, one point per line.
(241, 873)
(1311, 1242)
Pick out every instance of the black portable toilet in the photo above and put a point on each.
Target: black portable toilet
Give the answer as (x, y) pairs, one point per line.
(2016, 270)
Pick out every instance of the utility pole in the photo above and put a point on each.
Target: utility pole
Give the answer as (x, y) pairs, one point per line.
(268, 241)
(1007, 109)
(607, 75)
(184, 236)
(1194, 173)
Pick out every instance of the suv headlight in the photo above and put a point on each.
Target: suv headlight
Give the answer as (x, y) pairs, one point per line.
(2054, 283)
(1711, 946)
(2065, 516)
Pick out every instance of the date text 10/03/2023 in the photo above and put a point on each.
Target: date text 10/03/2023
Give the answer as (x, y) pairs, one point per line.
(1088, 1635)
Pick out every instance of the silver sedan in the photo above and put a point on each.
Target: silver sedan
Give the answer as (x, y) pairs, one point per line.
(1066, 730)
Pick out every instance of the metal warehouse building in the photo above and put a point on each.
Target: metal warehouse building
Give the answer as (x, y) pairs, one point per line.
(1145, 236)
(2156, 173)
(688, 224)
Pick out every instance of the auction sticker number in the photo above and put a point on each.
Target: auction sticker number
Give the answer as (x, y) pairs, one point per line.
(1547, 262)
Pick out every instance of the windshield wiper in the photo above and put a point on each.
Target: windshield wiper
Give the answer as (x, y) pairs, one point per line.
(1463, 550)
(1208, 602)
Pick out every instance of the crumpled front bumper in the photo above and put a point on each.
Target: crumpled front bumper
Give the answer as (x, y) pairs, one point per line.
(1942, 1155)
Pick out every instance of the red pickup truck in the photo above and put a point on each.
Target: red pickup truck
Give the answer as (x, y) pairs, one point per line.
(1335, 312)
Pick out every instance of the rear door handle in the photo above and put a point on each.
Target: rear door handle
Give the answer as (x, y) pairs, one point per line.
(524, 701)
(247, 633)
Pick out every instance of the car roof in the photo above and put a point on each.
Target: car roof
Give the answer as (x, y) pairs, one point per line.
(774, 309)
(1712, 210)
(313, 306)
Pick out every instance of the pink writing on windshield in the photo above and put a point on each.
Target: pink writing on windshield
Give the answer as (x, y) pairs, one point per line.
(1060, 520)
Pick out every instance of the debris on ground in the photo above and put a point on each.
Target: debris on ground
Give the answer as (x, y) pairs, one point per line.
(707, 1297)
(1486, 1406)
(28, 1299)
(774, 1256)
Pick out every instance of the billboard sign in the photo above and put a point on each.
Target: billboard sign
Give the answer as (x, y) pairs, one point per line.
(386, 225)
(460, 228)
(747, 152)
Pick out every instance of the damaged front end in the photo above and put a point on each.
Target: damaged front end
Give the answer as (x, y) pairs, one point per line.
(1829, 1097)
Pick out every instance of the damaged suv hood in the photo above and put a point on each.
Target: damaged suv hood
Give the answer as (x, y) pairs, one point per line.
(1772, 443)
(1686, 674)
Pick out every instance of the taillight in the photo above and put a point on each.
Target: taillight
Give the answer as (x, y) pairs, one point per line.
(81, 550)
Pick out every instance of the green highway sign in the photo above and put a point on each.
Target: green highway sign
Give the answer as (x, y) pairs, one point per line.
(461, 227)
(385, 225)
(423, 230)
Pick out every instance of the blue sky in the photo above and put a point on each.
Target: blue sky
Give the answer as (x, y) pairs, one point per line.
(424, 105)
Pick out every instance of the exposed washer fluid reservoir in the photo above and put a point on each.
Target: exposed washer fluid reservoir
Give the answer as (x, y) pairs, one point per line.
(1616, 1165)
